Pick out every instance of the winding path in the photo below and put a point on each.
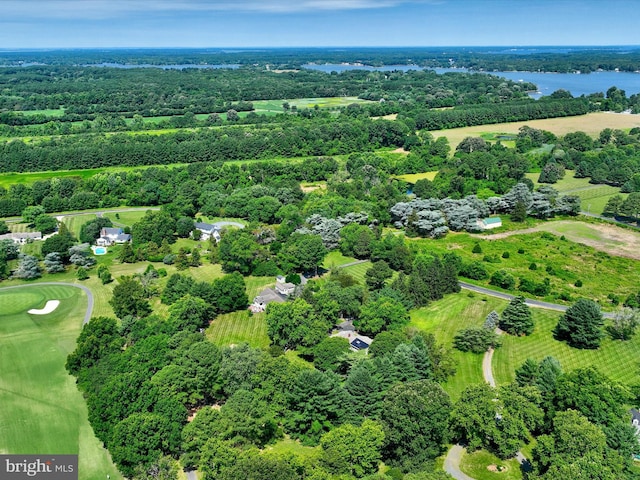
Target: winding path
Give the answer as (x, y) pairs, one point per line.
(90, 300)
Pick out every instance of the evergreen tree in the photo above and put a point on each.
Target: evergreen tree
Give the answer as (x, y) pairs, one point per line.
(581, 325)
(516, 318)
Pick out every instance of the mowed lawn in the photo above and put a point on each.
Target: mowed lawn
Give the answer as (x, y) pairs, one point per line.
(616, 359)
(444, 319)
(239, 327)
(42, 410)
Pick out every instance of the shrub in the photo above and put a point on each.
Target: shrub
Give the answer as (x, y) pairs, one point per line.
(505, 255)
(476, 248)
(521, 251)
(169, 259)
(476, 340)
(474, 271)
(503, 279)
(578, 283)
(533, 266)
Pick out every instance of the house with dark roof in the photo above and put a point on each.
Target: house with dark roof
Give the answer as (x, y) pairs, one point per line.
(264, 298)
(635, 419)
(109, 236)
(208, 230)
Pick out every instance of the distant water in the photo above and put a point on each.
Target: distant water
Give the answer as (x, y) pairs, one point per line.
(577, 84)
(163, 67)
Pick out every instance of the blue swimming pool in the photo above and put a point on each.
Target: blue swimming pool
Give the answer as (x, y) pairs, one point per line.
(99, 250)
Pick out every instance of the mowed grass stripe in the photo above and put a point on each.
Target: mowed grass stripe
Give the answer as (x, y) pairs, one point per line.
(616, 359)
(42, 410)
(238, 327)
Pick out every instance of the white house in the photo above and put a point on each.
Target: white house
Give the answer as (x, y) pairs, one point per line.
(109, 236)
(489, 223)
(283, 287)
(208, 230)
(264, 298)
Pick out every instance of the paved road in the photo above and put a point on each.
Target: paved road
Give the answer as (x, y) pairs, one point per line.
(90, 302)
(452, 463)
(191, 475)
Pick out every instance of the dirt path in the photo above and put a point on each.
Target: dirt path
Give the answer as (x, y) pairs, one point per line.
(603, 237)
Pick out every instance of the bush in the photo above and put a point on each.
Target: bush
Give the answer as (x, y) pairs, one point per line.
(578, 283)
(533, 266)
(474, 271)
(521, 251)
(169, 259)
(505, 255)
(503, 279)
(477, 248)
(476, 340)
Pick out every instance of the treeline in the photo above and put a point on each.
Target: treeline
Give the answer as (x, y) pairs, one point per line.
(497, 113)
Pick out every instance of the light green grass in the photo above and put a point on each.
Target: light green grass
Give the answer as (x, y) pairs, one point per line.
(444, 319)
(75, 222)
(475, 465)
(593, 198)
(125, 218)
(275, 106)
(42, 410)
(59, 112)
(358, 271)
(414, 177)
(239, 327)
(287, 446)
(616, 359)
(601, 273)
(335, 258)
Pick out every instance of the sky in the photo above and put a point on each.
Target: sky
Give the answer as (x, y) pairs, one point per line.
(299, 23)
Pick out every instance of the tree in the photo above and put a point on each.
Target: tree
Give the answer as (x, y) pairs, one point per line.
(351, 450)
(184, 226)
(53, 263)
(155, 226)
(381, 314)
(90, 231)
(631, 206)
(237, 367)
(415, 417)
(492, 320)
(82, 274)
(127, 255)
(30, 214)
(190, 313)
(294, 324)
(129, 298)
(378, 274)
(98, 339)
(59, 243)
(45, 224)
(328, 353)
(230, 293)
(581, 325)
(473, 418)
(476, 340)
(4, 228)
(516, 319)
(519, 213)
(28, 267)
(613, 206)
(356, 240)
(104, 274)
(79, 256)
(304, 253)
(624, 323)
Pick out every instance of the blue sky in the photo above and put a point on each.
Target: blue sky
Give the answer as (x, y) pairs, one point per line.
(278, 23)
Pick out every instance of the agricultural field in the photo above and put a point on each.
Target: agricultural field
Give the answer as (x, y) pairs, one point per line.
(545, 255)
(42, 410)
(616, 359)
(592, 124)
(593, 197)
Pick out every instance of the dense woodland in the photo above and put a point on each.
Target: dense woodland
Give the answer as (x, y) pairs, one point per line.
(144, 374)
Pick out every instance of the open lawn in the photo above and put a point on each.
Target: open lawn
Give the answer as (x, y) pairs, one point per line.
(593, 197)
(42, 410)
(444, 318)
(336, 259)
(562, 261)
(125, 218)
(414, 177)
(75, 222)
(475, 465)
(592, 124)
(58, 112)
(275, 106)
(358, 271)
(616, 359)
(238, 327)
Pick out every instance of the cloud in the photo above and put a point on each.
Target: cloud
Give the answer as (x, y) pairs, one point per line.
(21, 10)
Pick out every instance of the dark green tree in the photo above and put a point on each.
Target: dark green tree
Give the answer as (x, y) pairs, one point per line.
(129, 298)
(581, 325)
(516, 319)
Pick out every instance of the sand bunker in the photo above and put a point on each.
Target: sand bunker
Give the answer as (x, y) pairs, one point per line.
(48, 308)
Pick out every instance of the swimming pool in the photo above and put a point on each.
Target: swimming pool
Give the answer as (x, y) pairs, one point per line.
(99, 250)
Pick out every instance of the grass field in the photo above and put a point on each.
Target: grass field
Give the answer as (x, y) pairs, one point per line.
(336, 259)
(358, 271)
(444, 318)
(238, 327)
(475, 465)
(414, 177)
(42, 410)
(58, 112)
(562, 261)
(616, 359)
(126, 218)
(75, 222)
(593, 197)
(592, 124)
(275, 106)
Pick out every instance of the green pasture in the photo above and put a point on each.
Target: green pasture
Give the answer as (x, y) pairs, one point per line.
(127, 218)
(414, 177)
(475, 465)
(593, 198)
(335, 258)
(616, 359)
(602, 274)
(42, 410)
(75, 222)
(444, 318)
(238, 327)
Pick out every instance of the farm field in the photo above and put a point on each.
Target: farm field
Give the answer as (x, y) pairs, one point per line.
(43, 411)
(591, 123)
(616, 359)
(593, 197)
(562, 261)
